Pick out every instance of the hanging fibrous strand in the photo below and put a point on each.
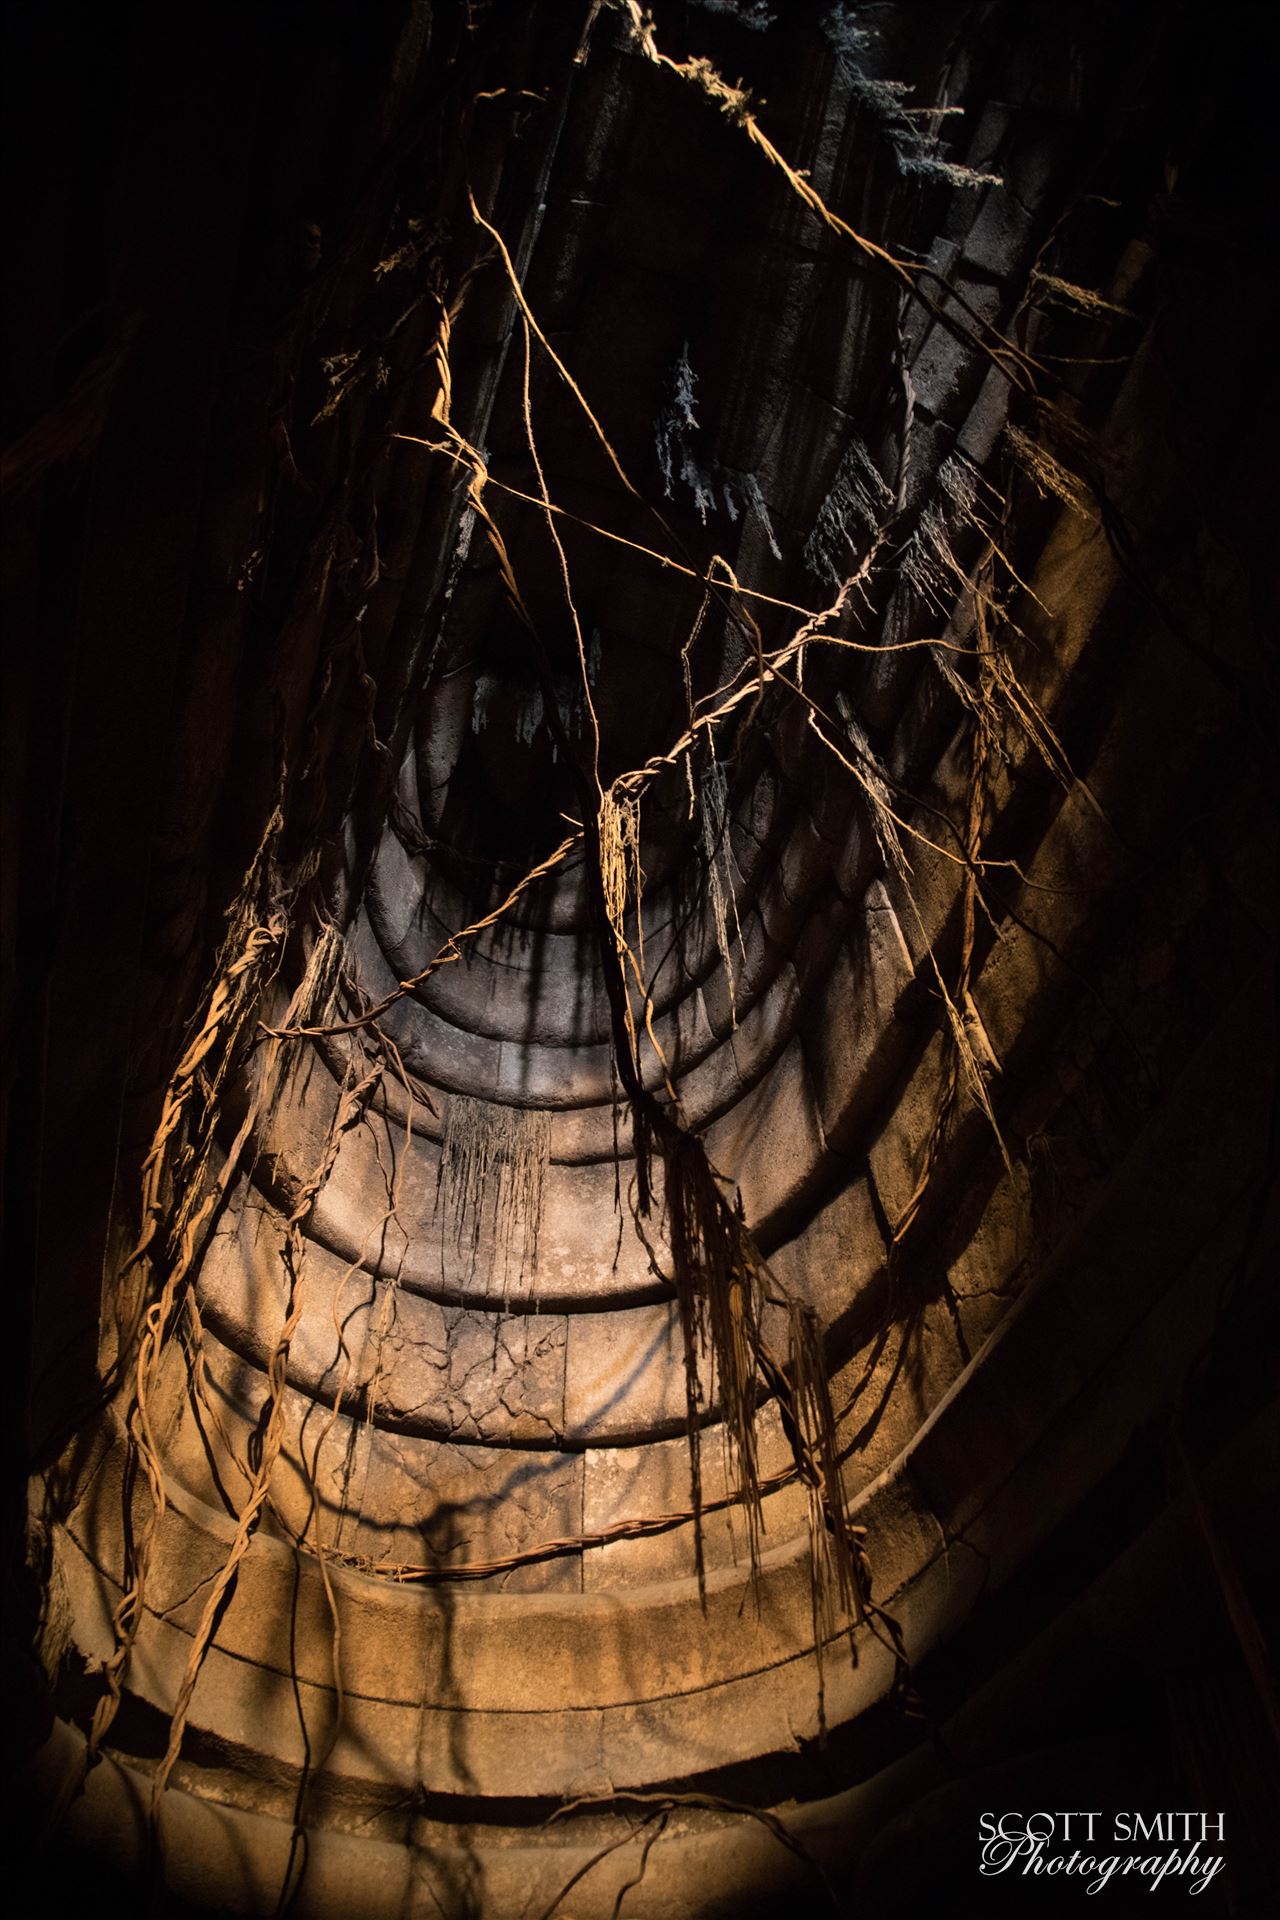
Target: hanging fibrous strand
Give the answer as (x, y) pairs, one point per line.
(493, 1170)
(833, 1567)
(622, 882)
(620, 861)
(718, 1277)
(722, 1286)
(717, 852)
(719, 1300)
(1047, 473)
(312, 1005)
(181, 1194)
(353, 1104)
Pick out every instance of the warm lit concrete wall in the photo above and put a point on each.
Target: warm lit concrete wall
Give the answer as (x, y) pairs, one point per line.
(1035, 1317)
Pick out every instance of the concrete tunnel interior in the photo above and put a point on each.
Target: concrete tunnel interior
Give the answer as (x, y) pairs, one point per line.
(639, 952)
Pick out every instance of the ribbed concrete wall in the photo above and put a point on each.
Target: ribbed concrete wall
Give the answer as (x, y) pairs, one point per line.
(996, 1342)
